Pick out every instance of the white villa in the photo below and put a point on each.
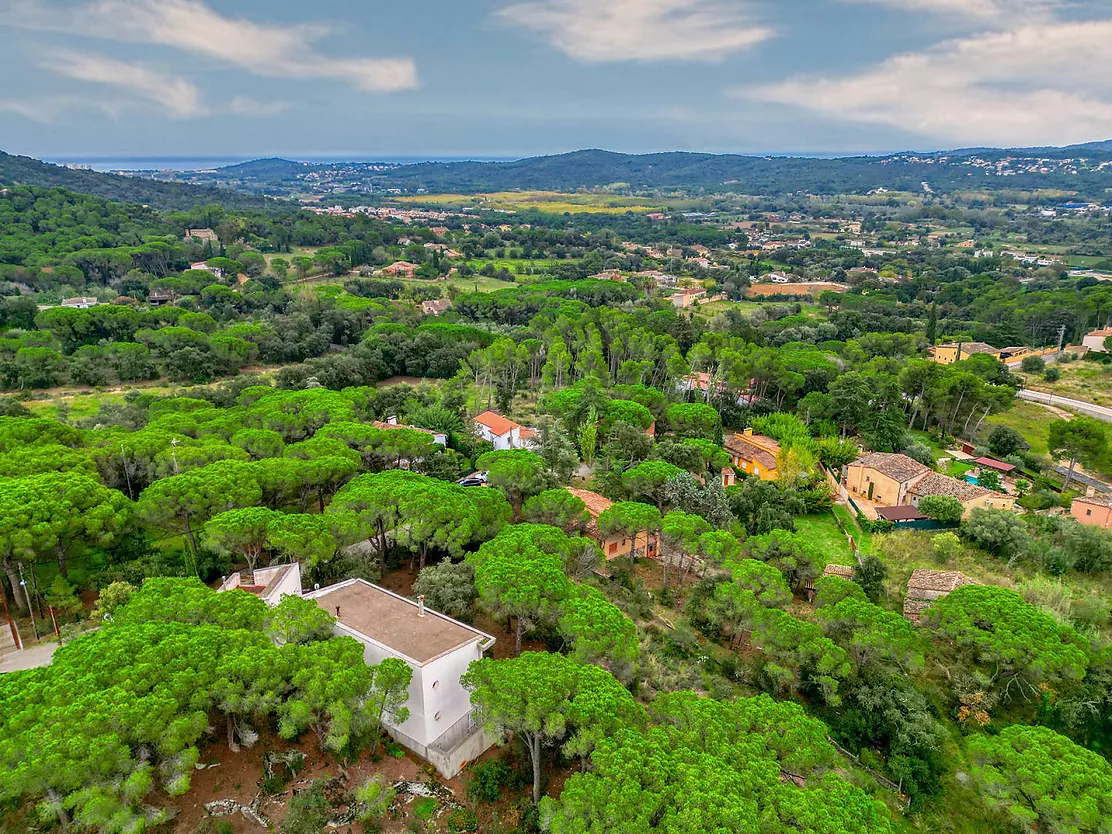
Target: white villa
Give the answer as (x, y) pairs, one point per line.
(441, 726)
(503, 432)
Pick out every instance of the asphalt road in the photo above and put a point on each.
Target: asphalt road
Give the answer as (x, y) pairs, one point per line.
(1100, 412)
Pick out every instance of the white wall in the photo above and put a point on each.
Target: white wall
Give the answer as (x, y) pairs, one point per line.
(442, 691)
(289, 586)
(414, 726)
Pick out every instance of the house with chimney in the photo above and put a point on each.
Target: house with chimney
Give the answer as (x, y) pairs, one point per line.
(754, 454)
(503, 433)
(441, 726)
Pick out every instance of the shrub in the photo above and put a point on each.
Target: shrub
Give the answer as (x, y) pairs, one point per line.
(424, 808)
(1033, 365)
(374, 797)
(946, 546)
(309, 811)
(870, 575)
(462, 820)
(487, 780)
(1090, 610)
(942, 508)
(1052, 375)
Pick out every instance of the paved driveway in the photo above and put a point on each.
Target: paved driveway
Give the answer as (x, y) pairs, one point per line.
(30, 658)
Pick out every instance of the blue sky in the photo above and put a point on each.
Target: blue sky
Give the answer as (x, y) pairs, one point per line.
(524, 77)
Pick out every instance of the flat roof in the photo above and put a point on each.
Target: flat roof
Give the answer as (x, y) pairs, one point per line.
(901, 513)
(394, 622)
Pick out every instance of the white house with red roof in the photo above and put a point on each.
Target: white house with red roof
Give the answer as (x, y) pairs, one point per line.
(503, 432)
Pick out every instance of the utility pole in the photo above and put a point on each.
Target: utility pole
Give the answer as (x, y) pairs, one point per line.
(30, 604)
(1061, 337)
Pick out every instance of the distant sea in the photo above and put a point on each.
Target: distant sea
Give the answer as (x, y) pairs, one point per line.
(207, 163)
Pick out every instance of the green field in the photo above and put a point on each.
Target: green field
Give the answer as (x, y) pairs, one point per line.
(1029, 419)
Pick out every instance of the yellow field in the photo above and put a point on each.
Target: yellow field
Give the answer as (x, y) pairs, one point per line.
(551, 202)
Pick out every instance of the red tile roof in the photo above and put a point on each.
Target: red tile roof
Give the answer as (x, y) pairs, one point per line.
(999, 466)
(496, 423)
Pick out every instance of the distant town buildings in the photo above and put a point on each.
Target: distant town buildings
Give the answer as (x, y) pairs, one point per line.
(81, 302)
(400, 269)
(202, 236)
(435, 307)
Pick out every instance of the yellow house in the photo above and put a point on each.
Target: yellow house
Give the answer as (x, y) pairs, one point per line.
(948, 354)
(970, 495)
(754, 454)
(889, 480)
(884, 478)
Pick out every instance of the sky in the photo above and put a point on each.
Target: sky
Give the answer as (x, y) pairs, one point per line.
(435, 78)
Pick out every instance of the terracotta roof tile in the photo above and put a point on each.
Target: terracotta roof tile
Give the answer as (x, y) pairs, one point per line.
(899, 468)
(497, 423)
(759, 448)
(935, 484)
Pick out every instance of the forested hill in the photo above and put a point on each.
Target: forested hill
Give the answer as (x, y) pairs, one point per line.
(1084, 171)
(1057, 168)
(23, 170)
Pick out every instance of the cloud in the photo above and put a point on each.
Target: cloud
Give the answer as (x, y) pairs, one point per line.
(1038, 83)
(178, 97)
(266, 50)
(976, 9)
(596, 31)
(245, 106)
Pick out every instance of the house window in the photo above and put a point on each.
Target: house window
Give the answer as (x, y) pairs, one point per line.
(1088, 512)
(613, 547)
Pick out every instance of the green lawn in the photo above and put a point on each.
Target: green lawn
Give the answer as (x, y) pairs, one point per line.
(822, 531)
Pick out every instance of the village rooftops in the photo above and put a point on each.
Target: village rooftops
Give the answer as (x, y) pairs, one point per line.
(973, 347)
(899, 468)
(395, 622)
(844, 571)
(596, 505)
(926, 586)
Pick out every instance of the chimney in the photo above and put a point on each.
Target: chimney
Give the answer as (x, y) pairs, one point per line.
(392, 419)
(749, 432)
(420, 605)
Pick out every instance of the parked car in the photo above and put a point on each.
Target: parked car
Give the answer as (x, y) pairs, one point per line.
(473, 480)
